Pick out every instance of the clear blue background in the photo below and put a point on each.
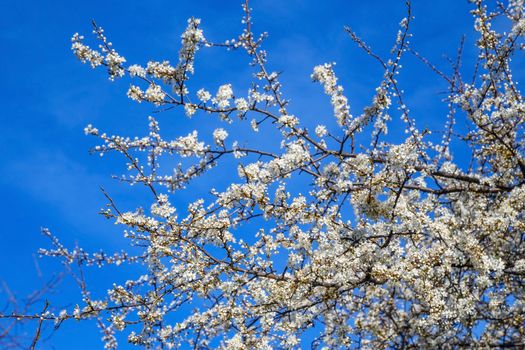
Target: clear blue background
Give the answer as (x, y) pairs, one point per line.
(48, 179)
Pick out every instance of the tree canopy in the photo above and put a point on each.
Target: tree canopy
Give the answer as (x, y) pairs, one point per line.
(336, 236)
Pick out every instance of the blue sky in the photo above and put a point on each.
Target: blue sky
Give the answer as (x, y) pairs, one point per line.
(49, 179)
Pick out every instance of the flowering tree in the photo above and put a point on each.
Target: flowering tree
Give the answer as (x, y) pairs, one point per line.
(335, 236)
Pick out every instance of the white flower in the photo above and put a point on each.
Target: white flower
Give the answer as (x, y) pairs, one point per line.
(242, 105)
(154, 94)
(90, 130)
(321, 131)
(203, 95)
(114, 62)
(288, 120)
(237, 153)
(162, 70)
(188, 145)
(224, 94)
(219, 135)
(190, 109)
(137, 71)
(254, 125)
(135, 93)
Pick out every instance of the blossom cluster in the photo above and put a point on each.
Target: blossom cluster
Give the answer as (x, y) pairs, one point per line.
(326, 76)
